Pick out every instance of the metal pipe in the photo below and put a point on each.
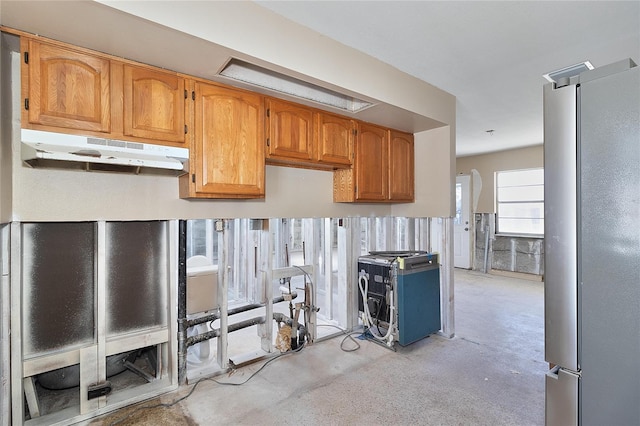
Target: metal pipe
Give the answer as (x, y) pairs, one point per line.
(246, 323)
(216, 315)
(278, 317)
(193, 340)
(182, 302)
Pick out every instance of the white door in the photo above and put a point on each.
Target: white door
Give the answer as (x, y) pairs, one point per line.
(462, 226)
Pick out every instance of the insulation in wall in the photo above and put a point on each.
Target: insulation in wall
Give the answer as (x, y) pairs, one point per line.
(136, 275)
(506, 253)
(58, 285)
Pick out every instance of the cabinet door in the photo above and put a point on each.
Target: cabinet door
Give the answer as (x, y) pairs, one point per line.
(68, 89)
(371, 166)
(290, 131)
(153, 104)
(229, 143)
(334, 139)
(401, 166)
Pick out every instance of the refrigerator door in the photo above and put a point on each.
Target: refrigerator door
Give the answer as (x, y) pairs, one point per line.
(560, 228)
(610, 250)
(561, 397)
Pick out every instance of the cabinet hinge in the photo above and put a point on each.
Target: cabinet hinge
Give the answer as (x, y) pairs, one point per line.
(193, 177)
(186, 93)
(268, 142)
(268, 112)
(355, 132)
(193, 95)
(26, 103)
(26, 57)
(185, 129)
(355, 190)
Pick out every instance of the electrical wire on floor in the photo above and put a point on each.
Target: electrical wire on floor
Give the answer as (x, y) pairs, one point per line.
(347, 336)
(298, 349)
(209, 379)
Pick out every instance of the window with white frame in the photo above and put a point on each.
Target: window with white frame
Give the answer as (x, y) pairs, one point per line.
(520, 202)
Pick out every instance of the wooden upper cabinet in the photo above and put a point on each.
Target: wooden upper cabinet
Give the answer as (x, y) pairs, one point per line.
(67, 88)
(334, 139)
(229, 144)
(401, 166)
(154, 104)
(371, 165)
(289, 131)
(383, 168)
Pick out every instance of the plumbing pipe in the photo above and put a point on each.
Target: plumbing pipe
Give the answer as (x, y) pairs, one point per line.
(278, 317)
(216, 315)
(182, 302)
(193, 340)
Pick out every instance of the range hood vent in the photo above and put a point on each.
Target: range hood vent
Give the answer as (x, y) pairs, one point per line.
(48, 149)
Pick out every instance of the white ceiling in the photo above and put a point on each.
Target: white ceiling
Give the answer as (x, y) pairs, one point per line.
(490, 54)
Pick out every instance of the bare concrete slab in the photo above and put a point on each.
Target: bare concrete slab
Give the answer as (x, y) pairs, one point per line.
(490, 373)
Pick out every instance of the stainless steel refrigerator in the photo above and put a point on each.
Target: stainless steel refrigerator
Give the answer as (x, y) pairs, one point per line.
(592, 247)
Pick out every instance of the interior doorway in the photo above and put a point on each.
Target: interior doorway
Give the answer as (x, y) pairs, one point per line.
(462, 231)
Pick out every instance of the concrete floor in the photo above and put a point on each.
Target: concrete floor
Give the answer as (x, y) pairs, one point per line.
(491, 373)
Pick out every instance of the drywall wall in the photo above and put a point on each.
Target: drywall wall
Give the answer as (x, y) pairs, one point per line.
(63, 195)
(198, 38)
(52, 195)
(434, 171)
(253, 30)
(5, 126)
(74, 195)
(488, 164)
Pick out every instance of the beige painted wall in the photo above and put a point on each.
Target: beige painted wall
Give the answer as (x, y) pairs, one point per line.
(5, 131)
(60, 195)
(488, 164)
(246, 27)
(198, 38)
(434, 174)
(73, 195)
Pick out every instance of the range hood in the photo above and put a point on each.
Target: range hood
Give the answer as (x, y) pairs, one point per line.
(49, 149)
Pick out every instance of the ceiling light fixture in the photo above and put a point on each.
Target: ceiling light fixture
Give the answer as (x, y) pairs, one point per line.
(268, 79)
(568, 72)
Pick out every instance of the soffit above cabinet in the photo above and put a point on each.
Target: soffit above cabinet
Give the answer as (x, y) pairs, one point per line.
(100, 27)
